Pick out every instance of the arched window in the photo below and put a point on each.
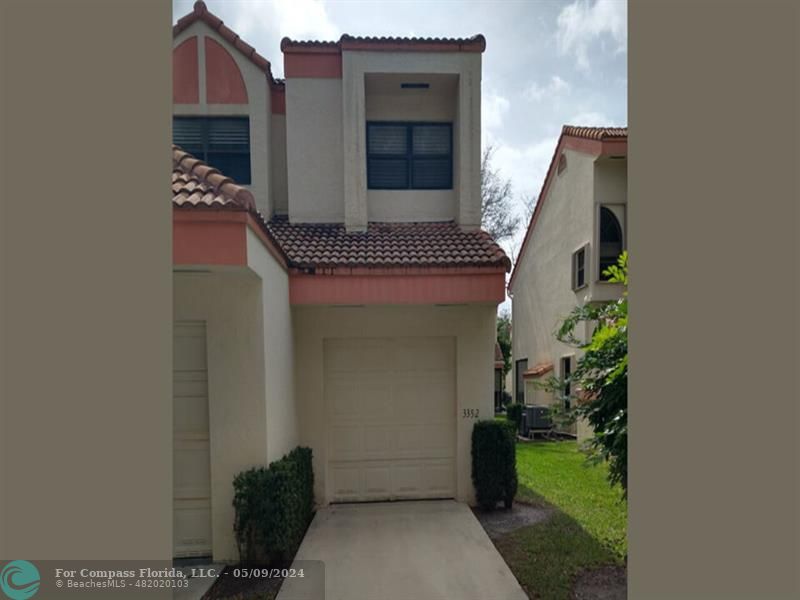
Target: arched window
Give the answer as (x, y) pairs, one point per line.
(610, 240)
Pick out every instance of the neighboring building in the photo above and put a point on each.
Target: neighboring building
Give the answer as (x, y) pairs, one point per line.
(332, 285)
(499, 380)
(578, 228)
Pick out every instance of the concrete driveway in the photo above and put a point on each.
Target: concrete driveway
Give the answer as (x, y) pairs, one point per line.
(426, 550)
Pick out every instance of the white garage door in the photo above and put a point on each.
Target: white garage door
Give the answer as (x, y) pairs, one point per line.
(191, 528)
(390, 410)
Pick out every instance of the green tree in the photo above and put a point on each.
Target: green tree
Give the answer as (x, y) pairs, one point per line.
(599, 383)
(504, 339)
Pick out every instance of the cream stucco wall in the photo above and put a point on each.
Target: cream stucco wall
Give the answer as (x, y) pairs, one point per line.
(473, 327)
(278, 353)
(230, 305)
(315, 168)
(258, 109)
(280, 182)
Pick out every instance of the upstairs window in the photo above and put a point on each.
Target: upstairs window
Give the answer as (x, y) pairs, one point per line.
(610, 241)
(579, 268)
(409, 156)
(222, 142)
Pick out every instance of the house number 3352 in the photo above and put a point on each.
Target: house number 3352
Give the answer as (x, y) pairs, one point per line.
(470, 413)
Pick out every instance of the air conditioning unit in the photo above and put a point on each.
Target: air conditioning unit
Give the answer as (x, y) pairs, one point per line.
(537, 418)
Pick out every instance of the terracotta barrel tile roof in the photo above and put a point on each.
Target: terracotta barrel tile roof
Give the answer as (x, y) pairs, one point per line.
(196, 184)
(595, 133)
(476, 43)
(439, 244)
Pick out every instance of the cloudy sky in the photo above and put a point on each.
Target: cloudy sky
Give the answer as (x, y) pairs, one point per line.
(547, 62)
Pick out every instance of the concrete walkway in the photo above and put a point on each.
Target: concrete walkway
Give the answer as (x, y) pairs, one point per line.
(427, 550)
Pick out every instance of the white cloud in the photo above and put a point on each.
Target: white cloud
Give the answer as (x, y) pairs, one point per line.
(582, 23)
(271, 21)
(591, 119)
(555, 86)
(493, 111)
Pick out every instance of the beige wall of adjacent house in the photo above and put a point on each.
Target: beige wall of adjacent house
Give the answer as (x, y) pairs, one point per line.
(473, 327)
(230, 304)
(315, 168)
(258, 109)
(463, 202)
(542, 293)
(281, 427)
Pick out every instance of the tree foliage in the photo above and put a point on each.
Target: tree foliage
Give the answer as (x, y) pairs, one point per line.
(599, 383)
(504, 339)
(498, 218)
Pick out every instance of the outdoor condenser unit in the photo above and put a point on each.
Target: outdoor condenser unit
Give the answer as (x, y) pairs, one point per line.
(537, 417)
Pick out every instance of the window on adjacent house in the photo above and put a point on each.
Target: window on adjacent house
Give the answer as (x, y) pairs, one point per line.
(409, 156)
(566, 371)
(610, 241)
(222, 142)
(521, 366)
(579, 268)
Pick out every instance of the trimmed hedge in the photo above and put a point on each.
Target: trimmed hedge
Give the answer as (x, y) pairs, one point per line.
(274, 506)
(514, 414)
(494, 463)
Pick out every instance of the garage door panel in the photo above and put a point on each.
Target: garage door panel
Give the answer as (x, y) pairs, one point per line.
(346, 481)
(424, 354)
(360, 354)
(390, 409)
(345, 441)
(357, 399)
(191, 448)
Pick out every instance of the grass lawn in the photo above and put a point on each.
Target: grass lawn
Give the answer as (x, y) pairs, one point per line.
(588, 528)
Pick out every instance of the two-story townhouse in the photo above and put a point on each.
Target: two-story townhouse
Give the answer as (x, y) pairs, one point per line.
(577, 230)
(332, 285)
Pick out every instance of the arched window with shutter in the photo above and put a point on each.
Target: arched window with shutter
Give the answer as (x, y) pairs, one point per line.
(610, 241)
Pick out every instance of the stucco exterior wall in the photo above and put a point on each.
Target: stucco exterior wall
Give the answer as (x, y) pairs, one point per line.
(315, 167)
(278, 367)
(230, 304)
(542, 294)
(258, 109)
(473, 327)
(280, 181)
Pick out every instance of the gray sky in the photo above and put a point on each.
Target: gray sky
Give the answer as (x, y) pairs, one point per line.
(547, 62)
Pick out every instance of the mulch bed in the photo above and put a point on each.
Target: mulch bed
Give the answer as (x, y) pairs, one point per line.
(502, 521)
(603, 583)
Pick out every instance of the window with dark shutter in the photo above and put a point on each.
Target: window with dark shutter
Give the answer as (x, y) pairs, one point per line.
(222, 142)
(579, 268)
(521, 366)
(403, 156)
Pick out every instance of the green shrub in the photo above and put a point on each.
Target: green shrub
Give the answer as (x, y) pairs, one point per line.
(514, 414)
(273, 508)
(494, 463)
